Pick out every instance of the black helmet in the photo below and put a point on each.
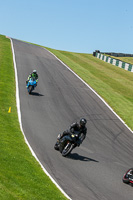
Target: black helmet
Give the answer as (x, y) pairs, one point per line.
(83, 121)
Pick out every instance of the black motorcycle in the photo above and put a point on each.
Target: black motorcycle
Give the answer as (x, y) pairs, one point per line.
(66, 144)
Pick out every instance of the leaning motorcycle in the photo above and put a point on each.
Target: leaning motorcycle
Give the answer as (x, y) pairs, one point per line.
(66, 144)
(31, 85)
(128, 179)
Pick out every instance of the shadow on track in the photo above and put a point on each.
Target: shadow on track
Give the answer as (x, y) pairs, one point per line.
(76, 156)
(36, 94)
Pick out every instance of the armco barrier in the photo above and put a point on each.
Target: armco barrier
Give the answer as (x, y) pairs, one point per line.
(115, 62)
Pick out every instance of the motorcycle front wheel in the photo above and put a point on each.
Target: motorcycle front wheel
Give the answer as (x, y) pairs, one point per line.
(30, 89)
(68, 148)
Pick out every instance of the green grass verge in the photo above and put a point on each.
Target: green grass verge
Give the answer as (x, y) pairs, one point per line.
(21, 177)
(113, 84)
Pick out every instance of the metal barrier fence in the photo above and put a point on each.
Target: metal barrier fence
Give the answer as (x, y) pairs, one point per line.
(113, 61)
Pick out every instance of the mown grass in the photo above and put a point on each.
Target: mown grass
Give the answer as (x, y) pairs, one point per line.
(113, 84)
(21, 177)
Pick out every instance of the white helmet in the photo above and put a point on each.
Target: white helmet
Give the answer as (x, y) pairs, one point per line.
(34, 71)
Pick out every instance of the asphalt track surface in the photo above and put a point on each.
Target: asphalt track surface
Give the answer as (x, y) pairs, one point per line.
(94, 170)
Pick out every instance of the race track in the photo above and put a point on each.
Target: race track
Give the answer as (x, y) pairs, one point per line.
(94, 170)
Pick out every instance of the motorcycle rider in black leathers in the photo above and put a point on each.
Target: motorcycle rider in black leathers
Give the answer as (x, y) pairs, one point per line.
(75, 128)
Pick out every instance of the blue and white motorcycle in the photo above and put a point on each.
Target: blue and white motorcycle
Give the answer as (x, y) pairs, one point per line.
(31, 85)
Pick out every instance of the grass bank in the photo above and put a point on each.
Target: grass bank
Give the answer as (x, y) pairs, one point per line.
(113, 84)
(21, 177)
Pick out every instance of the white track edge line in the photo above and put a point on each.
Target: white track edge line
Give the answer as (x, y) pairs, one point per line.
(91, 90)
(20, 122)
